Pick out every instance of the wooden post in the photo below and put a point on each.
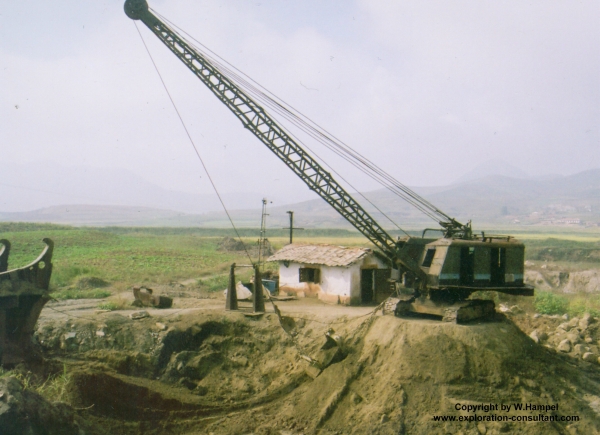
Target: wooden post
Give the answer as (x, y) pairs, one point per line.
(291, 213)
(292, 228)
(258, 301)
(232, 303)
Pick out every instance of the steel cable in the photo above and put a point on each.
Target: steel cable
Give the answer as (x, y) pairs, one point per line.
(194, 146)
(316, 132)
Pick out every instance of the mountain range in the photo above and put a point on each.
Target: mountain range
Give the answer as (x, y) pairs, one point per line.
(491, 199)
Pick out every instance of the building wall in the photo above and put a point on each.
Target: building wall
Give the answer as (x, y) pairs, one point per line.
(338, 284)
(289, 280)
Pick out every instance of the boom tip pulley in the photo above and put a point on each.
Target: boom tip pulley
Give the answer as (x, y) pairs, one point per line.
(136, 9)
(455, 229)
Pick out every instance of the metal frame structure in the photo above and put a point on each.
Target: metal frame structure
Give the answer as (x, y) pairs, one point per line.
(255, 119)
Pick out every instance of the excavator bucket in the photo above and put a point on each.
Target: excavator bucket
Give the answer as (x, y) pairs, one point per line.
(331, 352)
(23, 294)
(144, 298)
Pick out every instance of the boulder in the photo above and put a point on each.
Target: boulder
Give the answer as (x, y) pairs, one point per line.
(573, 322)
(534, 336)
(584, 323)
(241, 292)
(573, 337)
(503, 308)
(564, 346)
(137, 315)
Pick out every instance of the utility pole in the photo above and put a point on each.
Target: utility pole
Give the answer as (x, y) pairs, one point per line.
(262, 241)
(291, 228)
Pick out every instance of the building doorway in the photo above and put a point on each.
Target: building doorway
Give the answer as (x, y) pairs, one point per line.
(374, 285)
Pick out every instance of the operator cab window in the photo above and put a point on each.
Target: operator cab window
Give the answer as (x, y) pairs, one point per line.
(428, 257)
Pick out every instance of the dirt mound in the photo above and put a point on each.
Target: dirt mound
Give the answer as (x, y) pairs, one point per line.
(587, 281)
(409, 371)
(90, 282)
(229, 244)
(565, 254)
(23, 411)
(193, 354)
(223, 374)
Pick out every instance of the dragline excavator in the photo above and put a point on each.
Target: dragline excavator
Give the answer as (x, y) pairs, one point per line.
(441, 273)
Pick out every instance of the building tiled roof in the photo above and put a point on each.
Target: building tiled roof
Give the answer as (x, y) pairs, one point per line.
(327, 255)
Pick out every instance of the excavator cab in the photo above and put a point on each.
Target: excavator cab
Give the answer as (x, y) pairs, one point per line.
(454, 268)
(490, 263)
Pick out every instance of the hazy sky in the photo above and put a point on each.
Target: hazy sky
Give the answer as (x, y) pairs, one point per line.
(428, 90)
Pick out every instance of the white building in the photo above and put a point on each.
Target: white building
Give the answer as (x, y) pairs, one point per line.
(334, 274)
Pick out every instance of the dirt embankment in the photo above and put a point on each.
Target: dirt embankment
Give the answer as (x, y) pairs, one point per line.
(221, 373)
(586, 281)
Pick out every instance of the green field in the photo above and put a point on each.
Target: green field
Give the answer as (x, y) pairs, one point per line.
(123, 258)
(93, 262)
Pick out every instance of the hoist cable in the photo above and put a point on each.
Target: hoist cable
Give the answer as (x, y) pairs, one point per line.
(194, 145)
(317, 132)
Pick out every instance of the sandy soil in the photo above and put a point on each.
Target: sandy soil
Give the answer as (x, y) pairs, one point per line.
(197, 369)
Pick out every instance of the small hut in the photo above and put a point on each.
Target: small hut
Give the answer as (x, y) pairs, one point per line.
(335, 274)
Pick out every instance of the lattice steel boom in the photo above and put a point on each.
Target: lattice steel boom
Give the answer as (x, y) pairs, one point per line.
(255, 119)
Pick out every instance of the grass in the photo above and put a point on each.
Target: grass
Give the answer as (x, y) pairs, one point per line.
(111, 306)
(550, 303)
(547, 302)
(122, 258)
(54, 388)
(579, 305)
(97, 262)
(69, 293)
(215, 283)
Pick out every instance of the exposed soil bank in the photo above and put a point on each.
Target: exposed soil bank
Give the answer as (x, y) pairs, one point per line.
(221, 373)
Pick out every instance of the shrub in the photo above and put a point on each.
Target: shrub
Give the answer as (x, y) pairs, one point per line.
(585, 304)
(549, 303)
(108, 306)
(215, 283)
(115, 303)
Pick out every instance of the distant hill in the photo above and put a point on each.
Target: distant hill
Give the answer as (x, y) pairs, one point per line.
(95, 215)
(493, 199)
(37, 185)
(495, 167)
